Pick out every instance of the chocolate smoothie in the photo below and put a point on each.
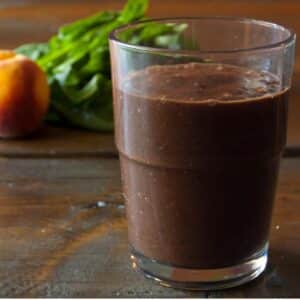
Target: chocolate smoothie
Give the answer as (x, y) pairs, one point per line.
(200, 146)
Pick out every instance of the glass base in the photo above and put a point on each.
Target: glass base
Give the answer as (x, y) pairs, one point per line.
(201, 279)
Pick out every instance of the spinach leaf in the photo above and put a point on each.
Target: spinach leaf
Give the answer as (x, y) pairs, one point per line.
(76, 61)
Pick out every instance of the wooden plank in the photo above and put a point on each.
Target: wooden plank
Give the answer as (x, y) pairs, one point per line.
(57, 182)
(60, 142)
(58, 246)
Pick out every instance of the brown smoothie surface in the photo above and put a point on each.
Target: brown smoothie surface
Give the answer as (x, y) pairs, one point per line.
(200, 146)
(201, 82)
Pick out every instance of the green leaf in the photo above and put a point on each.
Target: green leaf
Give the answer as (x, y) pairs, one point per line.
(76, 61)
(55, 117)
(88, 92)
(133, 10)
(33, 51)
(68, 78)
(87, 117)
(98, 63)
(75, 29)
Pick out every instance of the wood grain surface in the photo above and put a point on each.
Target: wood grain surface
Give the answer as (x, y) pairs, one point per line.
(63, 232)
(60, 142)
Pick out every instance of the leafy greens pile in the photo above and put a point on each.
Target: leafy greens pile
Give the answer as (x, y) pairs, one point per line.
(76, 61)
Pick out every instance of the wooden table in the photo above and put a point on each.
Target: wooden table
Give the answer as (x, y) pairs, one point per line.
(62, 224)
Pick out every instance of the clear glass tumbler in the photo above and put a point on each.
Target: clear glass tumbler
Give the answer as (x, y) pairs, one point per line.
(200, 107)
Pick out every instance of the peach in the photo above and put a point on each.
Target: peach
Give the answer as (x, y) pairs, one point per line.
(24, 95)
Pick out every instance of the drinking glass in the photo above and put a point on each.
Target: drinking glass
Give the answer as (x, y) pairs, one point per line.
(199, 168)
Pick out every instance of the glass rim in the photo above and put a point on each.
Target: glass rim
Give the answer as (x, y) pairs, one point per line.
(284, 42)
